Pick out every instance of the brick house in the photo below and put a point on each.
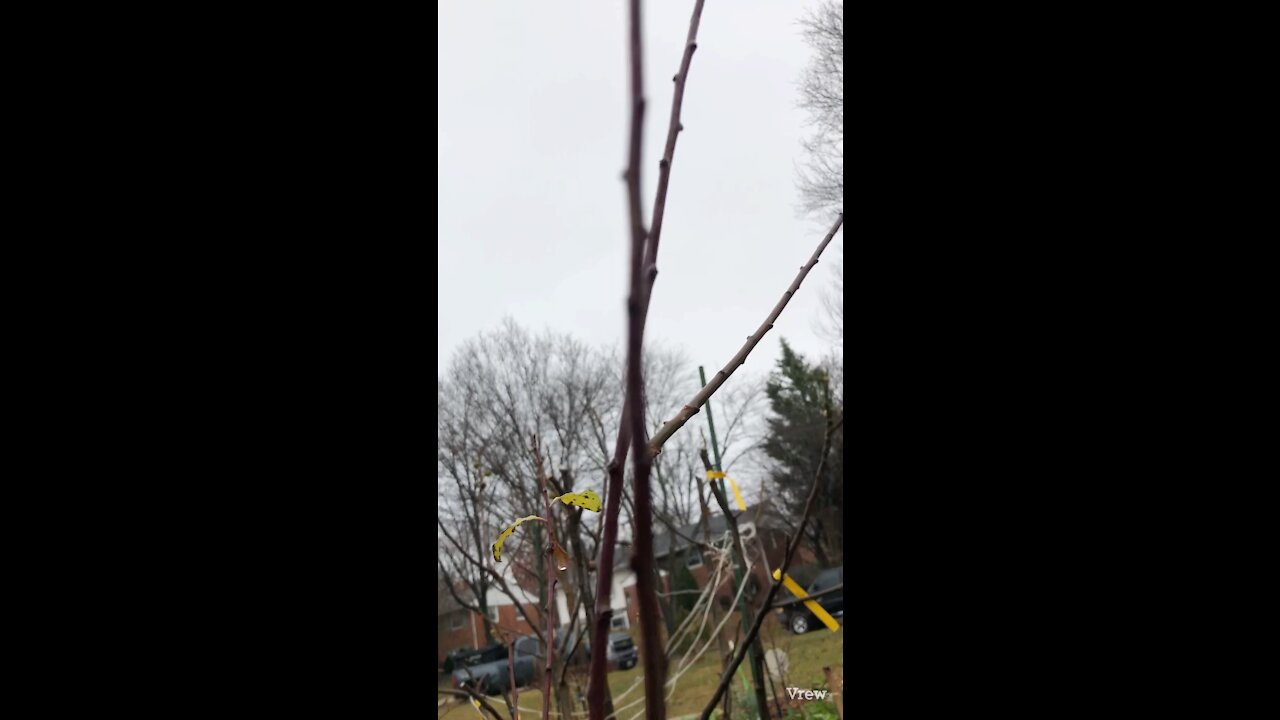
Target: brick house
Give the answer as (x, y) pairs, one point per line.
(456, 627)
(764, 531)
(623, 600)
(459, 627)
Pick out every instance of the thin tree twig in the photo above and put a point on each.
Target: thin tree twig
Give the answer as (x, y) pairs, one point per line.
(449, 581)
(768, 639)
(691, 408)
(551, 583)
(577, 643)
(514, 692)
(674, 127)
(727, 676)
(467, 694)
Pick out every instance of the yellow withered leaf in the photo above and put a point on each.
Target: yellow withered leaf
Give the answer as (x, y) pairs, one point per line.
(587, 500)
(502, 537)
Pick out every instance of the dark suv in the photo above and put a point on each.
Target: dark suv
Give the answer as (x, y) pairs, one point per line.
(797, 617)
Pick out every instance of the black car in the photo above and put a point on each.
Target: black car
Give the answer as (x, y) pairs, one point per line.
(452, 660)
(797, 617)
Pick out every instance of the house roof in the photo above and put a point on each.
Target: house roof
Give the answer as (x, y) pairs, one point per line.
(495, 596)
(764, 514)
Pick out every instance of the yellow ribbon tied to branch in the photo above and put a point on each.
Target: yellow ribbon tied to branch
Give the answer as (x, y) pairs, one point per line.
(737, 494)
(813, 606)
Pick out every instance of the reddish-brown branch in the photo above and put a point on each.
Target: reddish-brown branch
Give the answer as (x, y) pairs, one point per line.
(551, 583)
(642, 561)
(691, 408)
(765, 609)
(597, 699)
(644, 258)
(674, 126)
(637, 307)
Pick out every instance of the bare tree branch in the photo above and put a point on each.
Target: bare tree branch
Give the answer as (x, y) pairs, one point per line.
(467, 694)
(513, 696)
(692, 407)
(597, 688)
(674, 126)
(453, 592)
(551, 584)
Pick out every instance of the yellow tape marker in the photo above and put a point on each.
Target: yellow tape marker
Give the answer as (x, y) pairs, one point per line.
(737, 494)
(813, 605)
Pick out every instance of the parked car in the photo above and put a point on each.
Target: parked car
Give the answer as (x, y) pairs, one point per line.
(623, 652)
(451, 660)
(489, 670)
(798, 618)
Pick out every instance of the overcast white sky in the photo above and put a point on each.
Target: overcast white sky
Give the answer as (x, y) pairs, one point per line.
(532, 141)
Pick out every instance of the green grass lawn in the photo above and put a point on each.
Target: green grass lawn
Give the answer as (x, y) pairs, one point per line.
(806, 655)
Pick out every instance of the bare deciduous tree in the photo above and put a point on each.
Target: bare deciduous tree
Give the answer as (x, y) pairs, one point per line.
(505, 392)
(830, 324)
(822, 95)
